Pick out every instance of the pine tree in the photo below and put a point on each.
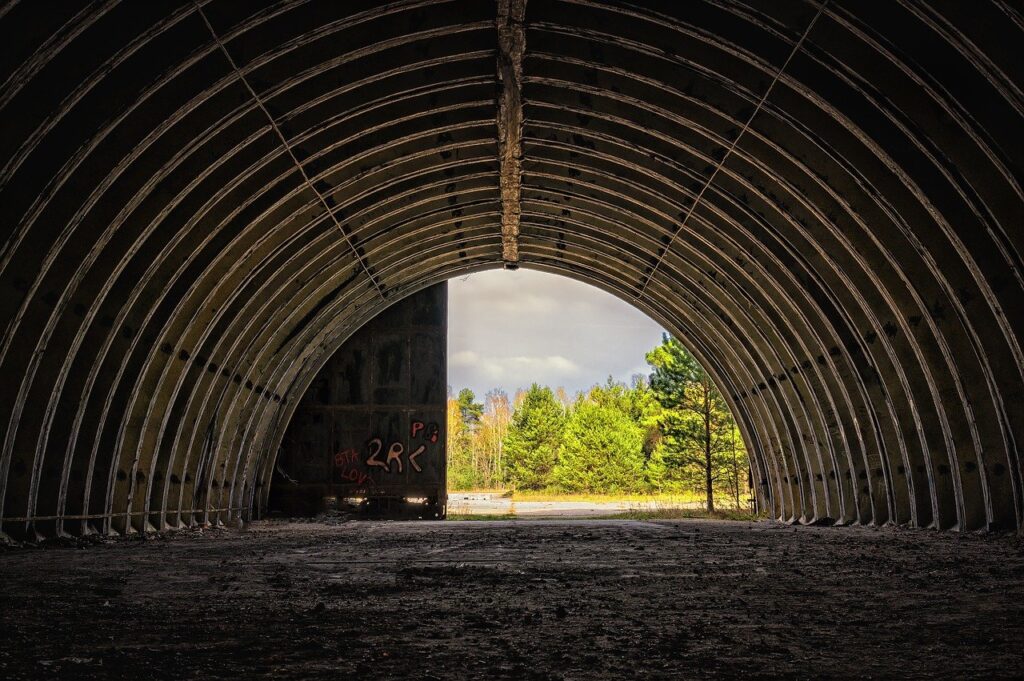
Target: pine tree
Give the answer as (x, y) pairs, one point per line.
(602, 447)
(696, 420)
(470, 408)
(534, 436)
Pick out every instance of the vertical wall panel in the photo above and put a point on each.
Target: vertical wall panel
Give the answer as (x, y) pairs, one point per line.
(373, 415)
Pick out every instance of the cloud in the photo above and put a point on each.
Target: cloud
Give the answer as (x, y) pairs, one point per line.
(526, 369)
(463, 358)
(507, 329)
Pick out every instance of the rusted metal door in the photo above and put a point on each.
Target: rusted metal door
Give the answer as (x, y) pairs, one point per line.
(370, 431)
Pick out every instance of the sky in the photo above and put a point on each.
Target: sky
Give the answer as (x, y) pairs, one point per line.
(510, 328)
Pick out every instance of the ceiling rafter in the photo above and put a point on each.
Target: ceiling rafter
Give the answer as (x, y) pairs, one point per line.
(728, 152)
(289, 150)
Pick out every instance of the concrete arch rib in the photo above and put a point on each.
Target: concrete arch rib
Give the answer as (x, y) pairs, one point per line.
(201, 200)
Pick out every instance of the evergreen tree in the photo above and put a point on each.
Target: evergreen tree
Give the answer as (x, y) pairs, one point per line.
(471, 409)
(670, 434)
(533, 440)
(646, 411)
(602, 447)
(696, 421)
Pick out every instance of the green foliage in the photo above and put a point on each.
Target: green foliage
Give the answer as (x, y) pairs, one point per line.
(601, 450)
(461, 474)
(470, 409)
(673, 434)
(534, 436)
(699, 433)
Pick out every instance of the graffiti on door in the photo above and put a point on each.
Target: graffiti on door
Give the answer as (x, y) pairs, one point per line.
(395, 458)
(347, 462)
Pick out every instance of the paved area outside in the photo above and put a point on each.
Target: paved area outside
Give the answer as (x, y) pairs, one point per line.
(520, 599)
(486, 503)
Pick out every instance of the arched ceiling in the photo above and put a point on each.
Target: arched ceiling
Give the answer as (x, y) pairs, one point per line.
(201, 201)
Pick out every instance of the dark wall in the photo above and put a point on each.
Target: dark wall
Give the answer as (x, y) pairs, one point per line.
(372, 424)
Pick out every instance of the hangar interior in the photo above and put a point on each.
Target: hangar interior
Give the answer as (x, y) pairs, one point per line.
(202, 201)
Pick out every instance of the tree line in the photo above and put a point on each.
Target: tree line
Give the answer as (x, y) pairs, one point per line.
(669, 432)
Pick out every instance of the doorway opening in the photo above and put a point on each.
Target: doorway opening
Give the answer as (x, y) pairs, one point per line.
(512, 393)
(565, 401)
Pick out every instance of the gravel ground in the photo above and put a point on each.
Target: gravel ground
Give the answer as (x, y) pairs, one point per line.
(560, 599)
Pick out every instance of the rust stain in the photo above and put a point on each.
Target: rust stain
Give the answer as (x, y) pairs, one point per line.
(511, 45)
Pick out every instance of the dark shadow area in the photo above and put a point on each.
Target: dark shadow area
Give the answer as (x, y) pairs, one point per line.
(602, 600)
(368, 437)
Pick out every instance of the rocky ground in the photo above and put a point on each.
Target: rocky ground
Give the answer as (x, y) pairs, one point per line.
(561, 599)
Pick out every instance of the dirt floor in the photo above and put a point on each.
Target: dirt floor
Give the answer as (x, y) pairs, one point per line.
(562, 599)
